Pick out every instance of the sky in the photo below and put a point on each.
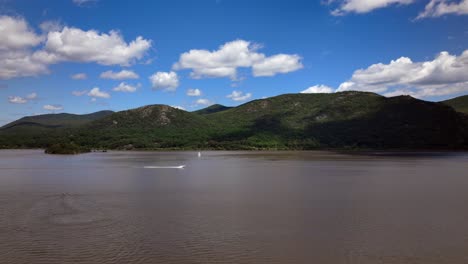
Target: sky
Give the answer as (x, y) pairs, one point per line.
(83, 56)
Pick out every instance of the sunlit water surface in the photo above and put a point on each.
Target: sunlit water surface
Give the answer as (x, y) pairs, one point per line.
(233, 207)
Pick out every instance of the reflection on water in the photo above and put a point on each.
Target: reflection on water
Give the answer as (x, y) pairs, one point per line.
(233, 207)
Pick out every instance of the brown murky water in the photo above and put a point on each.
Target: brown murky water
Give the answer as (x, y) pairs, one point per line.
(233, 207)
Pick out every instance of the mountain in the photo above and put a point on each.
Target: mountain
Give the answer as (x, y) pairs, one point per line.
(153, 126)
(55, 120)
(41, 130)
(212, 109)
(347, 119)
(353, 120)
(459, 103)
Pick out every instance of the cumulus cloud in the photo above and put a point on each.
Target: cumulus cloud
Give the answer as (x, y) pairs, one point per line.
(74, 44)
(17, 100)
(20, 64)
(281, 63)
(51, 25)
(16, 57)
(126, 88)
(318, 89)
(219, 63)
(232, 55)
(437, 8)
(178, 107)
(31, 96)
(55, 107)
(22, 100)
(25, 53)
(16, 34)
(96, 92)
(364, 6)
(239, 96)
(79, 93)
(430, 91)
(83, 2)
(446, 74)
(168, 81)
(79, 76)
(204, 102)
(121, 75)
(194, 92)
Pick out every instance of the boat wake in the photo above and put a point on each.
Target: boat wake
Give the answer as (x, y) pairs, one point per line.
(164, 167)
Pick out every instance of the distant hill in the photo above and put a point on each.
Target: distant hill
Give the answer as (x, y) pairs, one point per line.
(350, 120)
(55, 120)
(347, 119)
(41, 130)
(153, 126)
(212, 109)
(459, 103)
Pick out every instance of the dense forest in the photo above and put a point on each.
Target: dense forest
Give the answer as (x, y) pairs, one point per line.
(346, 120)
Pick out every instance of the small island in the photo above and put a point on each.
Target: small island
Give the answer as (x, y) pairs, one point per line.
(66, 149)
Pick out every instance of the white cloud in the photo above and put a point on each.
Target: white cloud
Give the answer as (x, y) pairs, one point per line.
(232, 55)
(239, 96)
(25, 53)
(17, 100)
(55, 107)
(121, 75)
(126, 88)
(31, 96)
(203, 102)
(168, 81)
(51, 25)
(74, 44)
(281, 63)
(79, 76)
(96, 92)
(437, 8)
(16, 45)
(364, 6)
(219, 63)
(430, 91)
(22, 100)
(214, 73)
(318, 89)
(178, 107)
(194, 92)
(20, 64)
(83, 2)
(79, 93)
(16, 34)
(446, 74)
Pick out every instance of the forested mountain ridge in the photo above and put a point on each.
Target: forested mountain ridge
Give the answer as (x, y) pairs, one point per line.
(353, 120)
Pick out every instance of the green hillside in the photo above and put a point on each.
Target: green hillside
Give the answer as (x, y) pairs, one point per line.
(55, 120)
(212, 109)
(352, 120)
(153, 126)
(347, 119)
(459, 103)
(42, 130)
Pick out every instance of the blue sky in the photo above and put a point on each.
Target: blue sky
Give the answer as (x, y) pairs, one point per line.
(231, 51)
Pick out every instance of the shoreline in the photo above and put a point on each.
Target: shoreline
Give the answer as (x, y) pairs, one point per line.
(371, 152)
